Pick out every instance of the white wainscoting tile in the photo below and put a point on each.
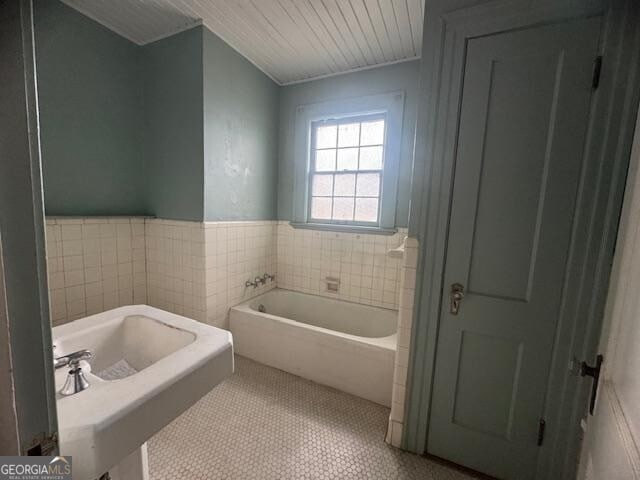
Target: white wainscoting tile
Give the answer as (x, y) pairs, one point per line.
(90, 264)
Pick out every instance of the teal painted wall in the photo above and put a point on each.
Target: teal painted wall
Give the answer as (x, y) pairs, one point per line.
(240, 136)
(173, 126)
(401, 76)
(184, 128)
(90, 115)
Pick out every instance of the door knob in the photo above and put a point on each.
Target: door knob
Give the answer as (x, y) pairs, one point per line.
(455, 297)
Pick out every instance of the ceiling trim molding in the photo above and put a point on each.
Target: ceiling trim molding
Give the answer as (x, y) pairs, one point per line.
(195, 23)
(290, 42)
(232, 46)
(351, 70)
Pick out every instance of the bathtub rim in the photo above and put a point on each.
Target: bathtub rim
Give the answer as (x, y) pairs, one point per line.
(389, 342)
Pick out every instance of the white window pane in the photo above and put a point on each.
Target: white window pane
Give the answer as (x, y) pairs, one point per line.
(326, 136)
(322, 186)
(371, 158)
(372, 133)
(321, 208)
(366, 210)
(339, 190)
(325, 160)
(368, 185)
(347, 159)
(349, 135)
(345, 185)
(343, 208)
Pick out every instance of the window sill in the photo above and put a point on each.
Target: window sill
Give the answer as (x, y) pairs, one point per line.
(331, 227)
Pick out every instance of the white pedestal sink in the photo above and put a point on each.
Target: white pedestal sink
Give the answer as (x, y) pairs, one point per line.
(149, 366)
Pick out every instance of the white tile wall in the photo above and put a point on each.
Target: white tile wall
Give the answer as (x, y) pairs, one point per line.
(176, 267)
(199, 269)
(367, 274)
(237, 252)
(405, 322)
(94, 264)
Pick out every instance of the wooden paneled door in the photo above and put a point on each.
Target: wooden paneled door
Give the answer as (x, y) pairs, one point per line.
(519, 153)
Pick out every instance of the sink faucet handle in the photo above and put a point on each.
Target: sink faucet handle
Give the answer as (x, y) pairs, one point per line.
(76, 381)
(73, 359)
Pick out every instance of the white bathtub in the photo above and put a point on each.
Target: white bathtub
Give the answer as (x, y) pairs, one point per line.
(345, 345)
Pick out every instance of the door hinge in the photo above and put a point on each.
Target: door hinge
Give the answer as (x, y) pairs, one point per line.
(42, 445)
(542, 425)
(597, 70)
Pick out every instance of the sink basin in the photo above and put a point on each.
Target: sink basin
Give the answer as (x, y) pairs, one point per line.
(149, 366)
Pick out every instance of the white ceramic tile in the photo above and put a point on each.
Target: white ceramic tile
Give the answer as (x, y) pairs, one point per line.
(56, 280)
(76, 307)
(91, 260)
(71, 232)
(90, 231)
(73, 277)
(74, 293)
(406, 295)
(200, 269)
(72, 247)
(72, 262)
(396, 434)
(367, 275)
(306, 431)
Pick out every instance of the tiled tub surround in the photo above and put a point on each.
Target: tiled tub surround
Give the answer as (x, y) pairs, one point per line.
(405, 322)
(345, 345)
(199, 269)
(94, 264)
(367, 274)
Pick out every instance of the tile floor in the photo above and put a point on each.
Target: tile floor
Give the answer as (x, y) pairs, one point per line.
(265, 424)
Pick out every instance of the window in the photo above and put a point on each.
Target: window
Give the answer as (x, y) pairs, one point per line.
(346, 170)
(346, 157)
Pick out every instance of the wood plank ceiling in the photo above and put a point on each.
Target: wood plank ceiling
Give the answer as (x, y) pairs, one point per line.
(289, 40)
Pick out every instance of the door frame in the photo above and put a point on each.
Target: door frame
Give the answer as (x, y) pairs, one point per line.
(30, 400)
(448, 26)
(609, 437)
(9, 437)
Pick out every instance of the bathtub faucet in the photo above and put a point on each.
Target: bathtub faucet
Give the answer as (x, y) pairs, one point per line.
(269, 277)
(259, 281)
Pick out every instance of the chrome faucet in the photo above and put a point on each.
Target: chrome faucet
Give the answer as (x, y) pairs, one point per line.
(257, 281)
(269, 277)
(76, 381)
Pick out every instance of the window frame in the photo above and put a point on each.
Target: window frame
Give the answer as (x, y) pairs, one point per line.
(391, 106)
(359, 118)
